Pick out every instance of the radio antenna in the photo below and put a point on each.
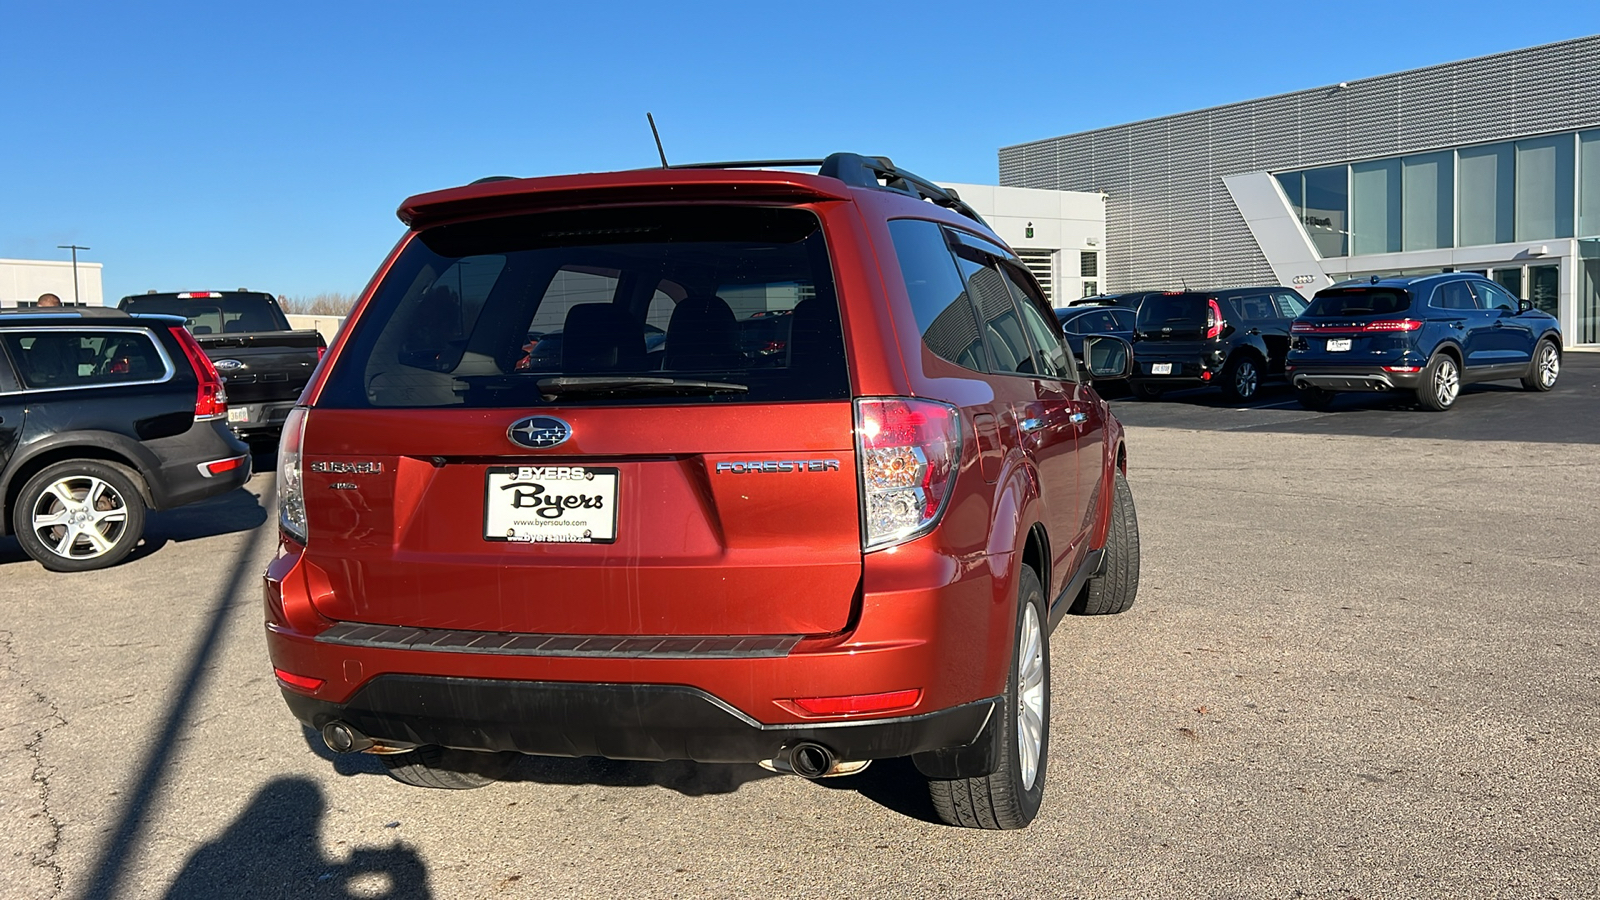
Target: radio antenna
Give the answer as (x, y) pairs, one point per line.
(657, 135)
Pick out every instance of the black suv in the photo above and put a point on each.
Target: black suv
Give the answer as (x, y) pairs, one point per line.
(103, 415)
(1231, 338)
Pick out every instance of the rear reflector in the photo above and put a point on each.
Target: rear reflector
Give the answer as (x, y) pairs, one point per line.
(859, 703)
(222, 465)
(1402, 368)
(300, 682)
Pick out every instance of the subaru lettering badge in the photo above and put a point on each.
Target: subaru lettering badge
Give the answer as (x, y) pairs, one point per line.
(539, 432)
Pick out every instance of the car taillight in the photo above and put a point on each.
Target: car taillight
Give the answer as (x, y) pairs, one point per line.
(1393, 325)
(291, 491)
(211, 401)
(322, 347)
(907, 453)
(1214, 321)
(1298, 327)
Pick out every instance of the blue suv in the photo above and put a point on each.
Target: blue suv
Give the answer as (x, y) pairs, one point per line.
(1429, 334)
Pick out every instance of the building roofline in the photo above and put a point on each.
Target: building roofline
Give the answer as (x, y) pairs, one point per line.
(1309, 90)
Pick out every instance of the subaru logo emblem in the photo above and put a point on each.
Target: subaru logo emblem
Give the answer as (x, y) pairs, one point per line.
(539, 432)
(228, 365)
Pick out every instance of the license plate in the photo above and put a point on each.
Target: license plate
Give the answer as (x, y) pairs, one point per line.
(550, 504)
(238, 414)
(1336, 345)
(1161, 368)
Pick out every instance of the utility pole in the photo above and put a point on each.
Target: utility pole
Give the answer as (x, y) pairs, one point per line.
(74, 248)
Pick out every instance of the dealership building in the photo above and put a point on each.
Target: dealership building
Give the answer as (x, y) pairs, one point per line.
(1489, 165)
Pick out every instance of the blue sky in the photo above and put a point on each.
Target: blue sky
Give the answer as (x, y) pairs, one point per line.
(221, 145)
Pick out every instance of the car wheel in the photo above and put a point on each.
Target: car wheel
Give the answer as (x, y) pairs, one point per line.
(1114, 589)
(1544, 368)
(1241, 378)
(79, 515)
(1009, 797)
(1147, 392)
(446, 769)
(1314, 398)
(1441, 383)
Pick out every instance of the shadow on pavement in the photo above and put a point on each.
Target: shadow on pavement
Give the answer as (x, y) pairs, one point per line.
(894, 784)
(237, 510)
(272, 850)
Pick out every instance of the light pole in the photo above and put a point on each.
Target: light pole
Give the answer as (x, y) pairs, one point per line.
(74, 248)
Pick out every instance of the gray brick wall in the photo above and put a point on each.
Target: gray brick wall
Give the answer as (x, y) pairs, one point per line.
(1170, 220)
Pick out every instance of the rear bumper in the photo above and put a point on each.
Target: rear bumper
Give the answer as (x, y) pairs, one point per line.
(617, 721)
(181, 478)
(1354, 378)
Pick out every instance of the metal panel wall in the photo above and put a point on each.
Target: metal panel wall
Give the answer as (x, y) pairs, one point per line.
(1170, 221)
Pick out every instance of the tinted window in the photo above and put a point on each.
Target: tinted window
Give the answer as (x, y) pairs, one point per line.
(1359, 302)
(938, 297)
(1492, 296)
(230, 311)
(489, 313)
(1002, 328)
(1289, 305)
(1050, 355)
(1255, 307)
(1182, 313)
(1096, 322)
(62, 359)
(1453, 295)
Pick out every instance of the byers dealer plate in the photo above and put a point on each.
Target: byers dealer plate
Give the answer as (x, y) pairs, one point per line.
(550, 504)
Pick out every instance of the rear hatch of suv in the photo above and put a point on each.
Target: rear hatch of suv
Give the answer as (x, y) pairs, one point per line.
(1173, 329)
(557, 423)
(1352, 325)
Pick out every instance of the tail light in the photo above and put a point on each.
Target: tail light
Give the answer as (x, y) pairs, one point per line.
(1214, 320)
(1393, 325)
(907, 453)
(211, 401)
(291, 490)
(322, 347)
(1299, 327)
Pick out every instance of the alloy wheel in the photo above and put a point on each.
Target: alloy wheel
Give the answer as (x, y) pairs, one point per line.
(1246, 379)
(1030, 697)
(1549, 366)
(80, 517)
(1446, 382)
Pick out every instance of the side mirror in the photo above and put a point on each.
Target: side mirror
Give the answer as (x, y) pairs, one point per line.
(1524, 306)
(1108, 357)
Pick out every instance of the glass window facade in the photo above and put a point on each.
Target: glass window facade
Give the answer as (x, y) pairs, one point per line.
(1530, 190)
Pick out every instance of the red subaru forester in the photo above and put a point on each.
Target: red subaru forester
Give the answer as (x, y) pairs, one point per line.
(723, 463)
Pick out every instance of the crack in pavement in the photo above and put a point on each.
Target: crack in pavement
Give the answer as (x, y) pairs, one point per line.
(44, 858)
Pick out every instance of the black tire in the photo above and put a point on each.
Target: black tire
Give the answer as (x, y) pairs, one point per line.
(1115, 588)
(1241, 378)
(446, 769)
(1441, 383)
(1314, 398)
(1147, 392)
(103, 529)
(1005, 800)
(1544, 368)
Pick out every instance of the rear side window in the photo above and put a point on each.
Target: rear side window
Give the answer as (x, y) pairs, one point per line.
(657, 305)
(68, 358)
(1255, 307)
(1361, 302)
(1453, 295)
(938, 297)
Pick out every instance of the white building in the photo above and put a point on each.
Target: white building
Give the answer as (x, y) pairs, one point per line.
(1060, 235)
(23, 280)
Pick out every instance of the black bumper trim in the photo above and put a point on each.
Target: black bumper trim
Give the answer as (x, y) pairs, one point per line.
(395, 637)
(620, 721)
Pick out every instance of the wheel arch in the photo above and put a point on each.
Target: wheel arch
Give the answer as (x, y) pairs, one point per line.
(61, 451)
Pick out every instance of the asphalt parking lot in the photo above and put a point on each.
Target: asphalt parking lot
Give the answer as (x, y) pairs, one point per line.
(1364, 662)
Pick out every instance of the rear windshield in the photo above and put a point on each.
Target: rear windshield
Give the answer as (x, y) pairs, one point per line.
(657, 305)
(1179, 312)
(232, 312)
(1359, 302)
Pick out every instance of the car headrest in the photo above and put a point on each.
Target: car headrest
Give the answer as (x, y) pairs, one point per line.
(702, 334)
(601, 337)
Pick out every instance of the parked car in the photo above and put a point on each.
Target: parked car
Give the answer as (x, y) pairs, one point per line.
(1129, 299)
(1428, 335)
(1078, 323)
(1233, 339)
(264, 361)
(851, 548)
(103, 416)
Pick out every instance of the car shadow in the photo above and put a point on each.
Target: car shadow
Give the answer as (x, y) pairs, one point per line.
(273, 850)
(238, 510)
(691, 779)
(894, 784)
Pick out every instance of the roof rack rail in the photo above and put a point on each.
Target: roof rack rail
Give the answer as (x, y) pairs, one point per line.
(861, 171)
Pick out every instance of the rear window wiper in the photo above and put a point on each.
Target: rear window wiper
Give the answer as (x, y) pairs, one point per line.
(575, 385)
